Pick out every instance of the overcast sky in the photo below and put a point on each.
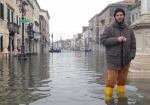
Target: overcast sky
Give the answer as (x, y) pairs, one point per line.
(68, 16)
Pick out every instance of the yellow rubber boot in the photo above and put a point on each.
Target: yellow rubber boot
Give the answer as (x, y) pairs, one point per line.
(108, 93)
(120, 91)
(109, 90)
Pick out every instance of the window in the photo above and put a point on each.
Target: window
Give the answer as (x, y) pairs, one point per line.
(1, 11)
(10, 14)
(139, 12)
(26, 26)
(136, 15)
(17, 19)
(103, 19)
(132, 18)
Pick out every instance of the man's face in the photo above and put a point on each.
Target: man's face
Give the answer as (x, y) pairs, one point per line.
(119, 17)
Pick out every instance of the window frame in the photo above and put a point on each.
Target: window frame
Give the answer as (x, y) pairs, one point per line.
(10, 15)
(2, 11)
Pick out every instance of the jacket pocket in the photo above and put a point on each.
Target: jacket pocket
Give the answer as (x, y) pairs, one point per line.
(113, 55)
(114, 59)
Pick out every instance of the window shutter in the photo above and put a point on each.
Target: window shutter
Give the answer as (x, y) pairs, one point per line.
(2, 10)
(12, 16)
(17, 19)
(19, 22)
(8, 15)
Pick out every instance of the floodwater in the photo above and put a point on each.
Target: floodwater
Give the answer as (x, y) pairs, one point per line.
(66, 78)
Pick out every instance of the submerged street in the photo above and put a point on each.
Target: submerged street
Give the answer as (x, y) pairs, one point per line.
(66, 78)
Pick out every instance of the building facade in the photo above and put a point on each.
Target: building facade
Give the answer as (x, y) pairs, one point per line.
(11, 24)
(94, 33)
(42, 22)
(46, 37)
(10, 17)
(36, 25)
(141, 28)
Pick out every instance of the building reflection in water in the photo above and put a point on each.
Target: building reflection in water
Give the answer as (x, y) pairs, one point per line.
(5, 76)
(22, 82)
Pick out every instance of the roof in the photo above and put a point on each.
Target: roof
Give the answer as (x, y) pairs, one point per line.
(124, 2)
(29, 2)
(42, 10)
(37, 3)
(93, 17)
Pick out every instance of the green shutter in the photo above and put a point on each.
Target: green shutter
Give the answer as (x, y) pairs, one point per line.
(17, 19)
(12, 16)
(2, 8)
(0, 11)
(8, 15)
(36, 23)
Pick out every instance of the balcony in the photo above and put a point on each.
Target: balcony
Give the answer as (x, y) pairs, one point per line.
(13, 27)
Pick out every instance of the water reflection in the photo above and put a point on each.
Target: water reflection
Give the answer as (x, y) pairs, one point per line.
(5, 76)
(23, 82)
(121, 101)
(66, 78)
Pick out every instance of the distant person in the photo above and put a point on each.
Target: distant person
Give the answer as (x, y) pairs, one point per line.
(120, 43)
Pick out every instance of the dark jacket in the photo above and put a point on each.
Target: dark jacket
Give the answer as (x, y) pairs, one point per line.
(118, 54)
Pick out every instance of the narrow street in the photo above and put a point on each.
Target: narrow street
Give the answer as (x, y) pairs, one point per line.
(66, 78)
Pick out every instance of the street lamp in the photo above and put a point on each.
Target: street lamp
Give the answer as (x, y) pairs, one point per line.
(52, 42)
(22, 4)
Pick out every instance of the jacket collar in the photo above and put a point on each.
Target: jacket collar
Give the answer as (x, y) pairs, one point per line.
(115, 24)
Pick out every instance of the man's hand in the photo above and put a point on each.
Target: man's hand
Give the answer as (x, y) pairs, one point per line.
(121, 38)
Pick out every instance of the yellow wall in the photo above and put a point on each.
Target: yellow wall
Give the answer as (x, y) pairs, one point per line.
(29, 15)
(13, 5)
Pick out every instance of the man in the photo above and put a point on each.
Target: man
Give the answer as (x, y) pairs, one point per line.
(119, 41)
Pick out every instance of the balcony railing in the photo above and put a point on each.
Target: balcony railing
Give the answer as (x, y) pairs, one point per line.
(13, 27)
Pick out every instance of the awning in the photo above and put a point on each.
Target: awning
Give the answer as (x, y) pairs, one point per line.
(36, 23)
